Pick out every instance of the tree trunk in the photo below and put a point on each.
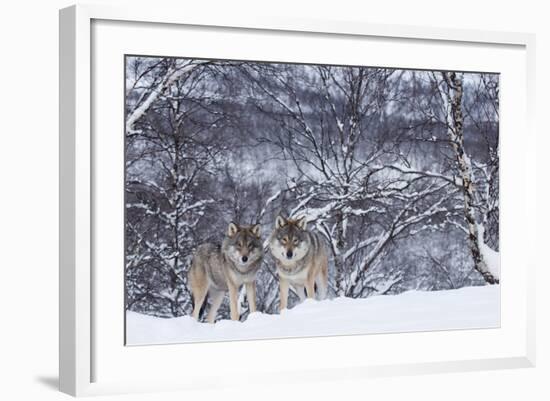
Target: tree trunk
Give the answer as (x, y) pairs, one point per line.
(172, 75)
(338, 260)
(455, 130)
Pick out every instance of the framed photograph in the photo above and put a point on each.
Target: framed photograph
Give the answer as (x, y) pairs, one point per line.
(335, 198)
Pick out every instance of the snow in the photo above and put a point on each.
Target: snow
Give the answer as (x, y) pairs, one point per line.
(490, 256)
(492, 259)
(465, 308)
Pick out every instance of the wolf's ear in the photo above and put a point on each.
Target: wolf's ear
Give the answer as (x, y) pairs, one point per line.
(301, 223)
(280, 222)
(256, 230)
(232, 229)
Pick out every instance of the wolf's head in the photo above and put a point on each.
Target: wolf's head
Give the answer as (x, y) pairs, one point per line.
(289, 242)
(243, 244)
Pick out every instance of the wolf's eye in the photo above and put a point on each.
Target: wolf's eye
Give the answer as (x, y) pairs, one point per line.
(250, 246)
(284, 240)
(240, 244)
(295, 241)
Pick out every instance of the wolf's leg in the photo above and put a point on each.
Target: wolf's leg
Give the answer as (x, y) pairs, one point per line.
(251, 295)
(217, 299)
(233, 300)
(299, 291)
(324, 278)
(283, 293)
(310, 287)
(322, 285)
(198, 284)
(199, 293)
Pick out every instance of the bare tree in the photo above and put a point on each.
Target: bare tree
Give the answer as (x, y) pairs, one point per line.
(169, 156)
(332, 137)
(148, 91)
(451, 89)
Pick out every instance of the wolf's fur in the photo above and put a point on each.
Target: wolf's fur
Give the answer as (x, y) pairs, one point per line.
(217, 269)
(301, 259)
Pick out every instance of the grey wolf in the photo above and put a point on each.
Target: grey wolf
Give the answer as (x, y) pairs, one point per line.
(218, 269)
(301, 259)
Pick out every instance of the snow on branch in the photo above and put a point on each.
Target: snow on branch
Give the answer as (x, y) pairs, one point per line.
(173, 74)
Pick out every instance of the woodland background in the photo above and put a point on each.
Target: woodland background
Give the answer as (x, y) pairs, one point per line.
(397, 169)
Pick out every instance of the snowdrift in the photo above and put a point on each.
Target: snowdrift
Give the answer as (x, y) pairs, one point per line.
(465, 308)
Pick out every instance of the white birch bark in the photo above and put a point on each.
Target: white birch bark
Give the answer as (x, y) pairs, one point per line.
(452, 98)
(173, 74)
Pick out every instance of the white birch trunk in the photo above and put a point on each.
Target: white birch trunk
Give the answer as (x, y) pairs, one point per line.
(171, 76)
(455, 130)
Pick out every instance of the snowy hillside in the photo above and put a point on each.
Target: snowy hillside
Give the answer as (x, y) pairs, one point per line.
(470, 307)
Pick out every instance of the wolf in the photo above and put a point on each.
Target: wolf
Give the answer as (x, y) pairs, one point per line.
(218, 269)
(301, 259)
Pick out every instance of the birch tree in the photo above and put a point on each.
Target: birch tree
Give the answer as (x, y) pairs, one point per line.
(482, 110)
(147, 85)
(451, 90)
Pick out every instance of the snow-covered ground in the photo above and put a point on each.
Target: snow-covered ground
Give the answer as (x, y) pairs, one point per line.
(465, 308)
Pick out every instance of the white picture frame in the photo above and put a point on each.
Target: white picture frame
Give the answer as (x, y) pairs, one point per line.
(83, 344)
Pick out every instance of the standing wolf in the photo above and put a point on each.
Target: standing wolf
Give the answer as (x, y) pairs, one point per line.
(301, 259)
(216, 270)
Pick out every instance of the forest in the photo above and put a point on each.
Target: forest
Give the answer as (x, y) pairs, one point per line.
(396, 169)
